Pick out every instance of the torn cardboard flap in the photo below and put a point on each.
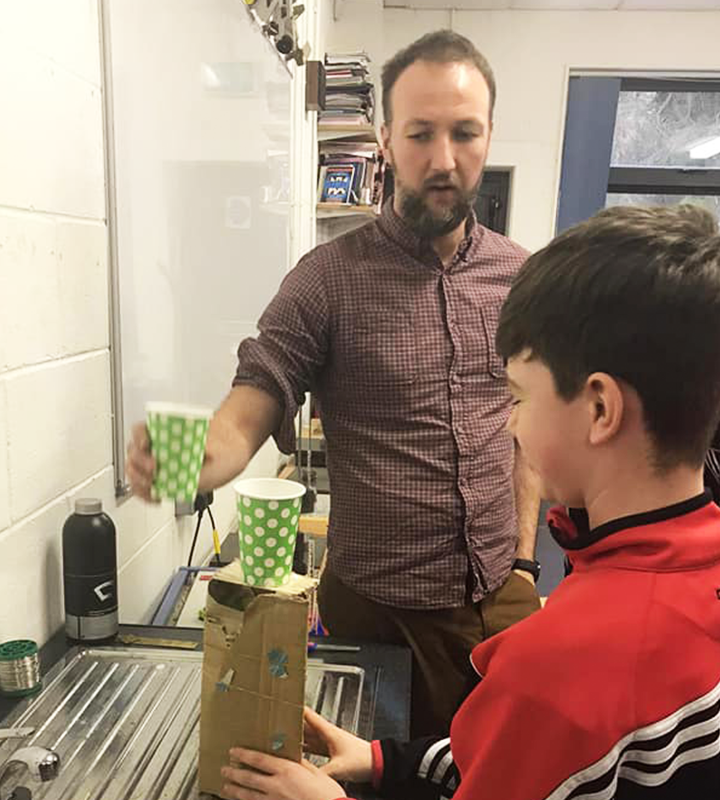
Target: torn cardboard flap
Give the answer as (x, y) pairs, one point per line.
(297, 585)
(254, 669)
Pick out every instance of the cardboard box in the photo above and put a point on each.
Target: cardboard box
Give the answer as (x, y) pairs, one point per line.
(254, 669)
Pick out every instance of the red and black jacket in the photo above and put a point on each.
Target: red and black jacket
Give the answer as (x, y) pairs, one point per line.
(611, 691)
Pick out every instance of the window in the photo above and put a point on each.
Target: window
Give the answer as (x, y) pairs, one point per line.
(632, 140)
(666, 144)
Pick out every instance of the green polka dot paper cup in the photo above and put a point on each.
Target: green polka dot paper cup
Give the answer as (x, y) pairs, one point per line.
(177, 439)
(268, 515)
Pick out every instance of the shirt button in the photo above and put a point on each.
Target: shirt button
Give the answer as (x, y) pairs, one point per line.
(462, 483)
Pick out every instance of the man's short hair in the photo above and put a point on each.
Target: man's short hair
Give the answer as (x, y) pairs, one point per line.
(440, 47)
(635, 293)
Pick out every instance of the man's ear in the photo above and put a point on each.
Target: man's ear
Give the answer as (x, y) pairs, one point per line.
(606, 407)
(385, 143)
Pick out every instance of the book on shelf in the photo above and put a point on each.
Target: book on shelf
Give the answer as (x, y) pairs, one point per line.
(350, 95)
(360, 57)
(361, 183)
(336, 183)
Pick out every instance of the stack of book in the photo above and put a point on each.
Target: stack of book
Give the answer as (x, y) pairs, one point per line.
(351, 174)
(349, 93)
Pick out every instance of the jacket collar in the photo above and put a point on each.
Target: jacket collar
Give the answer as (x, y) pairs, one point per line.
(571, 530)
(678, 536)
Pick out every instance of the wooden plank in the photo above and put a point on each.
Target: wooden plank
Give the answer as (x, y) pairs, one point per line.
(286, 472)
(313, 524)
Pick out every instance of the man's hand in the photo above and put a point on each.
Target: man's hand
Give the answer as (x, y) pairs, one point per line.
(140, 465)
(523, 574)
(272, 778)
(350, 757)
(238, 428)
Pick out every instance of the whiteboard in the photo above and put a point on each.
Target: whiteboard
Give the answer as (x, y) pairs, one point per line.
(201, 121)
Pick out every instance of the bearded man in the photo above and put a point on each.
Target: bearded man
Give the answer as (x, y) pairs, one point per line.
(433, 516)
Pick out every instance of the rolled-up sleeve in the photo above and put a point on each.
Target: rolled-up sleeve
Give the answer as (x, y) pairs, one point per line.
(286, 357)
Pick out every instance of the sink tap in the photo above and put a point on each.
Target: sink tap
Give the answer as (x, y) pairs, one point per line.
(42, 764)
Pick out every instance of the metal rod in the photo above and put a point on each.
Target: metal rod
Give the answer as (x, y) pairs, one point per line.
(118, 421)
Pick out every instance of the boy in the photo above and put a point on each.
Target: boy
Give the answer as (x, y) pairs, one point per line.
(612, 340)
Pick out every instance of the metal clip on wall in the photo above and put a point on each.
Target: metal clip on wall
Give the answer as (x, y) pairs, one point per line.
(276, 19)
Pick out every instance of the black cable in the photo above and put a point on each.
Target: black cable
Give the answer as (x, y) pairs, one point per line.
(197, 528)
(212, 521)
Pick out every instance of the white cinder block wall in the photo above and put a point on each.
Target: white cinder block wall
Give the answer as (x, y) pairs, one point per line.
(531, 53)
(54, 364)
(55, 412)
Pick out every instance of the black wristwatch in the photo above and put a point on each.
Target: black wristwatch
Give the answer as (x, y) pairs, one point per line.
(533, 567)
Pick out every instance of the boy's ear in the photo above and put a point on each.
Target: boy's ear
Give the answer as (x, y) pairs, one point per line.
(607, 407)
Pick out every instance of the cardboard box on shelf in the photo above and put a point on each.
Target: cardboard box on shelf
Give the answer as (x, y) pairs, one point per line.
(254, 670)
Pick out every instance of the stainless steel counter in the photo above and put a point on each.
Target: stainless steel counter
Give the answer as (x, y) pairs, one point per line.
(125, 722)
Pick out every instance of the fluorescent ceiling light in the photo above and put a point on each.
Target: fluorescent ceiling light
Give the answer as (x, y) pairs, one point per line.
(706, 148)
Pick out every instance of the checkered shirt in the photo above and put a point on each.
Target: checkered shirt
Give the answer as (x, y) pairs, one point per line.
(400, 354)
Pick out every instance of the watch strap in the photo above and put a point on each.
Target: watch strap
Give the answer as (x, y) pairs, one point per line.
(526, 565)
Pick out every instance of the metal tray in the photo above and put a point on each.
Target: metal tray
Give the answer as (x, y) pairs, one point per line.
(126, 722)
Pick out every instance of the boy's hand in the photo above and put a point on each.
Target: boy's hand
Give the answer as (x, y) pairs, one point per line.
(274, 778)
(350, 757)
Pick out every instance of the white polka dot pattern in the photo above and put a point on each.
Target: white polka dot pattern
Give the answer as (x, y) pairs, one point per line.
(178, 445)
(267, 532)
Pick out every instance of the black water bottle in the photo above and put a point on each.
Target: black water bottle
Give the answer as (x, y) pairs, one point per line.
(90, 573)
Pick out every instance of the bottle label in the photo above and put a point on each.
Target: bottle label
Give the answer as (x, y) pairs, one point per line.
(90, 595)
(88, 629)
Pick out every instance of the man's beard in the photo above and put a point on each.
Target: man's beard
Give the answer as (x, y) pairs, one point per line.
(429, 223)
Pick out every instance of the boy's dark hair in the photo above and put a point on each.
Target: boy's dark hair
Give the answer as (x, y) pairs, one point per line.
(633, 292)
(440, 47)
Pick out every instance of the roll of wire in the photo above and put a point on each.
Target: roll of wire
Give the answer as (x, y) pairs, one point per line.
(19, 668)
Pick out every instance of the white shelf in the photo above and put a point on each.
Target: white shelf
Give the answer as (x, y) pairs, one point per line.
(328, 210)
(358, 133)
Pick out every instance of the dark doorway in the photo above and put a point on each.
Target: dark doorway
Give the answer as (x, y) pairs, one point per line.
(493, 199)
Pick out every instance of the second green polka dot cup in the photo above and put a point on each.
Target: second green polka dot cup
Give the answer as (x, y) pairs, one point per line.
(268, 515)
(177, 439)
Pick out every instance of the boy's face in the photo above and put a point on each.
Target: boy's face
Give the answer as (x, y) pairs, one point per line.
(551, 432)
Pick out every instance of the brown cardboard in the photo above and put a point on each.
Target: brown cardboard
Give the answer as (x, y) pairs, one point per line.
(254, 668)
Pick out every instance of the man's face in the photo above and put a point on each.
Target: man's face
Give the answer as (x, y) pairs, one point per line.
(437, 143)
(551, 432)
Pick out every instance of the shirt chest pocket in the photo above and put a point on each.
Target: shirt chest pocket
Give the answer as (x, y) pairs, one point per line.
(381, 359)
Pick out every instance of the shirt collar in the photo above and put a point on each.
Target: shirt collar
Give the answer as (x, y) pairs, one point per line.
(395, 227)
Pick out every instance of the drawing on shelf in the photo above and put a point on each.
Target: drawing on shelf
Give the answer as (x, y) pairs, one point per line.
(337, 184)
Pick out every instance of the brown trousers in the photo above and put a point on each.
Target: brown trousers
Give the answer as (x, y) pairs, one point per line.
(441, 640)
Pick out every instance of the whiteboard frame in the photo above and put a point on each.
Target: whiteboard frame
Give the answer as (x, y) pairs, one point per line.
(122, 489)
